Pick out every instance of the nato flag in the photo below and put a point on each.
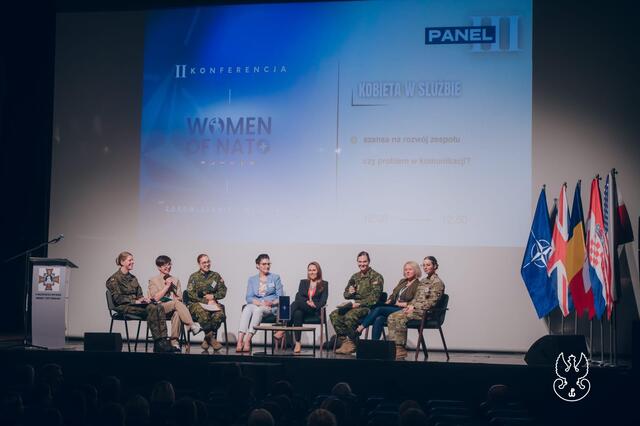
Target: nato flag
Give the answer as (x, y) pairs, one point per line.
(534, 264)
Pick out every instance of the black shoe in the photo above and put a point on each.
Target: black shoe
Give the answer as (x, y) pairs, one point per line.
(163, 345)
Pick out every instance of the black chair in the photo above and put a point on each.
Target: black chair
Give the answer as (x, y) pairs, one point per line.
(320, 320)
(182, 339)
(432, 319)
(186, 301)
(117, 316)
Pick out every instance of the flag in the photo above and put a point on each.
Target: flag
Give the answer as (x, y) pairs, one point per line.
(625, 231)
(581, 293)
(556, 267)
(534, 262)
(553, 214)
(619, 232)
(597, 251)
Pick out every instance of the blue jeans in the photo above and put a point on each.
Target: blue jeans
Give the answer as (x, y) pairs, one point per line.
(378, 318)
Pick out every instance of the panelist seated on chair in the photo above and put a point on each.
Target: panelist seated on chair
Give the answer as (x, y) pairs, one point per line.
(399, 299)
(263, 291)
(310, 299)
(128, 300)
(166, 290)
(205, 289)
(428, 295)
(362, 291)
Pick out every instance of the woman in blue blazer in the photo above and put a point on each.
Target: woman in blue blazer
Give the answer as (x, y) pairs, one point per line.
(263, 291)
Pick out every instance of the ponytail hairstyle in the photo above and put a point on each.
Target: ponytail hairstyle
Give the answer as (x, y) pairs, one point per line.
(122, 257)
(433, 260)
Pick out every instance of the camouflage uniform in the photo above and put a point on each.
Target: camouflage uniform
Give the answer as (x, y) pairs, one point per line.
(125, 290)
(429, 293)
(199, 284)
(368, 290)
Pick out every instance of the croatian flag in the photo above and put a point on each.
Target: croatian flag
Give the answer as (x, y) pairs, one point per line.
(557, 266)
(597, 252)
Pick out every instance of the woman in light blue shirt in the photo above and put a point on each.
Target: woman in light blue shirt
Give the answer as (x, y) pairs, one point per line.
(263, 291)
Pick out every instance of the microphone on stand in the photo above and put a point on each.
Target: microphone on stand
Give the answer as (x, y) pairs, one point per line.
(57, 239)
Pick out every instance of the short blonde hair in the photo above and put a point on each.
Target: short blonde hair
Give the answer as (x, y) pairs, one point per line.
(414, 265)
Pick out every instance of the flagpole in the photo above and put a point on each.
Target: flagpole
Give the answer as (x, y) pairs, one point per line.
(591, 337)
(613, 358)
(601, 342)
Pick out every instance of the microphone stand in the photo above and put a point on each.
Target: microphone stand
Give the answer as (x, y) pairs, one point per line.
(26, 341)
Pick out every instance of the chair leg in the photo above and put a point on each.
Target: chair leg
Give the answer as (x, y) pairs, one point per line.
(384, 335)
(135, 346)
(446, 351)
(126, 332)
(111, 326)
(146, 341)
(326, 334)
(421, 343)
(226, 336)
(366, 333)
(183, 336)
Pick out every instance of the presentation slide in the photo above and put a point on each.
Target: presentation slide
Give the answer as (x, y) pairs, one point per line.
(387, 122)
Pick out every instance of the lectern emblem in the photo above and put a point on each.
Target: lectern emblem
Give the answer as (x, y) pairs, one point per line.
(49, 279)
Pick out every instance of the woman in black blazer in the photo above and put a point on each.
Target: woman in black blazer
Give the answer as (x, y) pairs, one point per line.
(311, 297)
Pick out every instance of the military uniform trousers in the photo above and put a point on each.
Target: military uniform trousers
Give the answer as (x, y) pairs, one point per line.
(154, 314)
(209, 321)
(181, 315)
(397, 324)
(345, 325)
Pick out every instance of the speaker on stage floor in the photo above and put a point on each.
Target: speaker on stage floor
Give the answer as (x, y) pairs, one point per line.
(376, 349)
(546, 349)
(103, 342)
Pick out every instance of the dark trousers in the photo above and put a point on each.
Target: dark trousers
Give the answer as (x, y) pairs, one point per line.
(298, 312)
(378, 318)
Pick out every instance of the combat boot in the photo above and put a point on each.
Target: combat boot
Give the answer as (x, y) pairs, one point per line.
(164, 346)
(215, 345)
(207, 340)
(401, 352)
(347, 348)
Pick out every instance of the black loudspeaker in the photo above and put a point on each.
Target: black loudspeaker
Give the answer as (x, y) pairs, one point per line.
(103, 342)
(376, 349)
(546, 349)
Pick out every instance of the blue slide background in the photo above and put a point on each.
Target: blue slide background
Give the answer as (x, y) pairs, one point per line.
(316, 176)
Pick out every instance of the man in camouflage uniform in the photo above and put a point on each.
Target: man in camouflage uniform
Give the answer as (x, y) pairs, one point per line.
(363, 290)
(428, 295)
(207, 287)
(126, 293)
